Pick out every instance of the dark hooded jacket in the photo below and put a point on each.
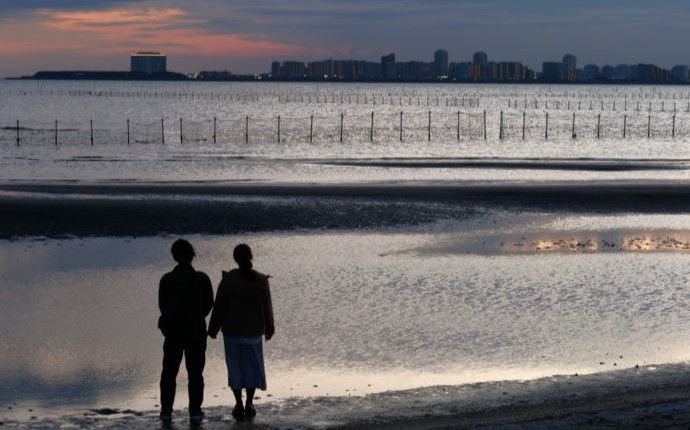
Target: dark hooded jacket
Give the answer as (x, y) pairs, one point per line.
(185, 298)
(243, 305)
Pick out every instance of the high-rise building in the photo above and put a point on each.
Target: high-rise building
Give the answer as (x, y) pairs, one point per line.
(480, 66)
(480, 58)
(388, 66)
(320, 69)
(569, 67)
(148, 62)
(275, 69)
(294, 69)
(441, 62)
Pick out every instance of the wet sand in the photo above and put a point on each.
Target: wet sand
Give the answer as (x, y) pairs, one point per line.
(70, 209)
(75, 209)
(510, 406)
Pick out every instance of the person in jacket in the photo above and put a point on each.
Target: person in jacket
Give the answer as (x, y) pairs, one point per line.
(185, 298)
(244, 312)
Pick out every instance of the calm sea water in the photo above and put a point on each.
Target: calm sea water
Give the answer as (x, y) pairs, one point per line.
(453, 301)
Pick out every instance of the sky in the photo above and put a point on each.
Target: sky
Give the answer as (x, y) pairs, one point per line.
(244, 36)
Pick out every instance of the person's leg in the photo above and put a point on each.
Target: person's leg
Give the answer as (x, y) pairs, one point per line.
(238, 410)
(249, 409)
(172, 357)
(250, 395)
(195, 361)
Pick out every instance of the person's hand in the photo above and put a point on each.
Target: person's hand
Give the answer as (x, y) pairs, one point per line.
(269, 334)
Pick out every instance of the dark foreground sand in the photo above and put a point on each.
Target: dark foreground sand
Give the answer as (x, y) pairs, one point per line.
(666, 407)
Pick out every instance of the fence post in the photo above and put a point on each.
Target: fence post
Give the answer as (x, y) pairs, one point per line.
(246, 129)
(625, 125)
(649, 126)
(401, 126)
(458, 125)
(598, 126)
(524, 115)
(278, 128)
(162, 131)
(371, 130)
(17, 132)
(546, 130)
(91, 127)
(56, 140)
(127, 131)
(484, 125)
(181, 135)
(673, 127)
(429, 127)
(500, 128)
(311, 128)
(573, 135)
(342, 115)
(214, 129)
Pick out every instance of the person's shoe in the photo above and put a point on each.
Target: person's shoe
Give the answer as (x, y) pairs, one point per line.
(196, 417)
(249, 412)
(238, 412)
(166, 417)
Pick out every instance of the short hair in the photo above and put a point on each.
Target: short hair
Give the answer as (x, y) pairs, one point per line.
(241, 252)
(182, 251)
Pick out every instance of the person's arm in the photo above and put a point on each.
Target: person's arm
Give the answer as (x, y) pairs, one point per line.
(268, 312)
(207, 294)
(162, 296)
(219, 309)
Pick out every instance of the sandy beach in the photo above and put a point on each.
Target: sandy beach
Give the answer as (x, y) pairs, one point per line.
(625, 399)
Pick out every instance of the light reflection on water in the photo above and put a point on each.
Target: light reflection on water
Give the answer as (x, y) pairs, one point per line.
(356, 313)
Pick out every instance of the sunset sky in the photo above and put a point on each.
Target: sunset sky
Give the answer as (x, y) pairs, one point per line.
(244, 36)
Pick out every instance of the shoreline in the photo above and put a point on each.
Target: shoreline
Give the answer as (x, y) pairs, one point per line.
(647, 397)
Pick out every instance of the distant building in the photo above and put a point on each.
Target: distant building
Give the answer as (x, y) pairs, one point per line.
(148, 62)
(480, 66)
(590, 72)
(680, 73)
(294, 70)
(649, 73)
(320, 69)
(275, 69)
(569, 67)
(510, 71)
(388, 70)
(441, 62)
(551, 71)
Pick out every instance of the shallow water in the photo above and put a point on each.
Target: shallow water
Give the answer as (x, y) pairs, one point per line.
(437, 293)
(357, 311)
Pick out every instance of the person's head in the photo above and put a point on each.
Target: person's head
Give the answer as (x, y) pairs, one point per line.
(243, 256)
(182, 251)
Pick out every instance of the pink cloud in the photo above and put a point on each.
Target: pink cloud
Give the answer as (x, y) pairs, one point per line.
(171, 31)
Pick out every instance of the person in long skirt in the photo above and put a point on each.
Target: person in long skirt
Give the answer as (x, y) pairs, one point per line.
(244, 313)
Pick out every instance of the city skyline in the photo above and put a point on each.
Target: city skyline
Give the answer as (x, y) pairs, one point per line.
(244, 37)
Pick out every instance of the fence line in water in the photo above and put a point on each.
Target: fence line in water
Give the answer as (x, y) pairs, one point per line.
(371, 127)
(468, 98)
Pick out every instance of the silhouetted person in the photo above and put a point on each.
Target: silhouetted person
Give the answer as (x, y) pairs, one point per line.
(244, 312)
(185, 297)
